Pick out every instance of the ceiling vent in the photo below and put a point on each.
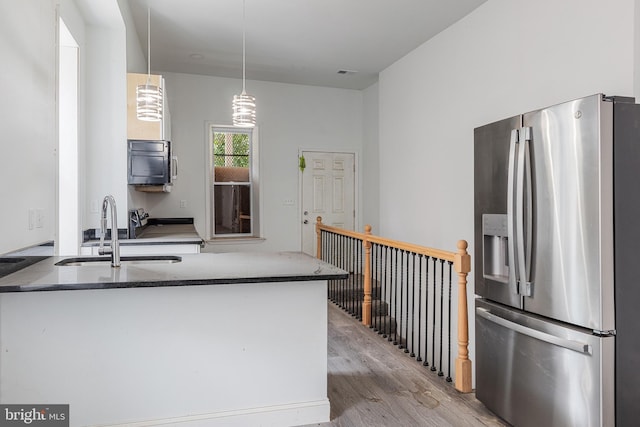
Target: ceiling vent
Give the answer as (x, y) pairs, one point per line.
(346, 72)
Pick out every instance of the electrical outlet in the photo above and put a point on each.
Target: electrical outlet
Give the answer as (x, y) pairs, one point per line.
(183, 204)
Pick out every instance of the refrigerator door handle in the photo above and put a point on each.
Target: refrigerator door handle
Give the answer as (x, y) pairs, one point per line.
(511, 235)
(534, 333)
(524, 212)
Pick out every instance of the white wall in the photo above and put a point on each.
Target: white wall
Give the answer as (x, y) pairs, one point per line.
(370, 161)
(136, 63)
(136, 60)
(28, 34)
(99, 29)
(105, 155)
(106, 136)
(75, 23)
(28, 127)
(68, 236)
(289, 117)
(505, 58)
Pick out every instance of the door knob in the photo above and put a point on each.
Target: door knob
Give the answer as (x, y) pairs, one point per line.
(306, 221)
(306, 212)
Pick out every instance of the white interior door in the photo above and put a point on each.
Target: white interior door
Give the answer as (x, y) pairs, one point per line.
(328, 190)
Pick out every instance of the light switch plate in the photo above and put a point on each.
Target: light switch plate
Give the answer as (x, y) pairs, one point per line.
(31, 218)
(39, 218)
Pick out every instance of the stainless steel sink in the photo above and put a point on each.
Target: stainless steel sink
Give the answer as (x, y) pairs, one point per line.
(101, 260)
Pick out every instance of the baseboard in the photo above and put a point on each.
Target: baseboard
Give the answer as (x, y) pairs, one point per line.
(294, 414)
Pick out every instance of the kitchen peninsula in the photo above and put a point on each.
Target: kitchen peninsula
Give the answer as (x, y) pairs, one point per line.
(215, 339)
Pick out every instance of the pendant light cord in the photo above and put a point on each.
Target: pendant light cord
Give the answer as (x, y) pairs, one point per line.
(243, 47)
(244, 106)
(148, 45)
(149, 97)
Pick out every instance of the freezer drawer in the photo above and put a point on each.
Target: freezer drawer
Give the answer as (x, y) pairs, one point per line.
(532, 372)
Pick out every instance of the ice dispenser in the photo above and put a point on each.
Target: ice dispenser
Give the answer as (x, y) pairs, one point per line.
(494, 247)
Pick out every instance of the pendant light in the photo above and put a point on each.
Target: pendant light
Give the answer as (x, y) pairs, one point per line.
(244, 106)
(149, 96)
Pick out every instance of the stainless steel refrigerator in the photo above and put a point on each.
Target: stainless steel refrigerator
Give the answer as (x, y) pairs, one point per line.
(557, 213)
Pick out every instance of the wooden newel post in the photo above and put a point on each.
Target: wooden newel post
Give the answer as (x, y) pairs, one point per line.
(366, 302)
(318, 238)
(462, 265)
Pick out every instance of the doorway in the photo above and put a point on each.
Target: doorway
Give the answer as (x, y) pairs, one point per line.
(328, 190)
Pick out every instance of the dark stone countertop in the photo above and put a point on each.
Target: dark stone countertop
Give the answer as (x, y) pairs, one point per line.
(194, 269)
(11, 264)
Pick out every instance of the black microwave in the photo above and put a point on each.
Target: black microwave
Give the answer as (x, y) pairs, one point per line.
(149, 162)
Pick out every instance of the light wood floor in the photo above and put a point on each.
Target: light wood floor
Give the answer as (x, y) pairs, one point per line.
(373, 383)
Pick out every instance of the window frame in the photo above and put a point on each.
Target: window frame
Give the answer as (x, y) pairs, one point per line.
(254, 182)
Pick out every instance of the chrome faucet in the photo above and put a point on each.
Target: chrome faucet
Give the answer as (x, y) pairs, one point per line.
(115, 243)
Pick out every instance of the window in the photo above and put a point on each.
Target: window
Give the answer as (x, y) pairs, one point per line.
(233, 183)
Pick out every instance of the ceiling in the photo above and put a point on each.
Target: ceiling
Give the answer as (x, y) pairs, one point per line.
(291, 41)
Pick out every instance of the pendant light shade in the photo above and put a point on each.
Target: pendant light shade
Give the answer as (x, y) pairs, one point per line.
(244, 106)
(244, 110)
(149, 96)
(149, 102)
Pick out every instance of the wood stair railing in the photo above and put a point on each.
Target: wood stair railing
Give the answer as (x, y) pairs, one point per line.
(396, 281)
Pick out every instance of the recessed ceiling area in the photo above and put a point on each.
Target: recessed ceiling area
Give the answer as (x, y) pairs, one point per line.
(291, 41)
